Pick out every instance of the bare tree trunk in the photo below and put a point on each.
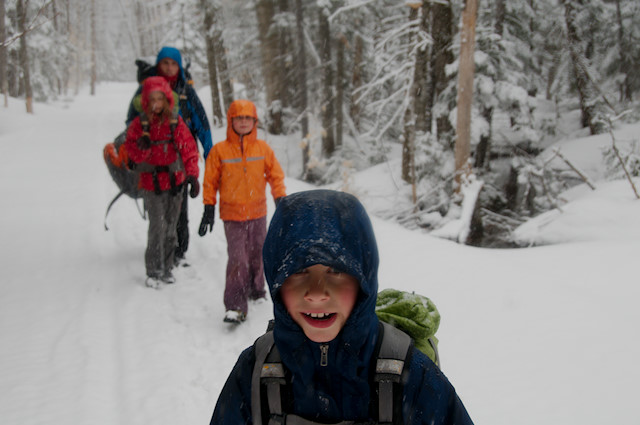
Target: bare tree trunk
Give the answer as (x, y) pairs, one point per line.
(265, 11)
(356, 78)
(583, 83)
(552, 73)
(4, 84)
(626, 64)
(328, 139)
(94, 47)
(284, 62)
(220, 55)
(24, 58)
(223, 67)
(421, 87)
(340, 71)
(501, 13)
(218, 116)
(465, 92)
(302, 87)
(484, 145)
(409, 130)
(442, 27)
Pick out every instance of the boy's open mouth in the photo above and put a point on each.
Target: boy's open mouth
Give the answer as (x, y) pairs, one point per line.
(320, 320)
(319, 316)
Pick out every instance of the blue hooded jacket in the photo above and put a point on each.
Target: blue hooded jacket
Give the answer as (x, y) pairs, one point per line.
(332, 228)
(190, 107)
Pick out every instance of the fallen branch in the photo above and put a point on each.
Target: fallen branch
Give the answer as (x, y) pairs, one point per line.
(584, 178)
(617, 152)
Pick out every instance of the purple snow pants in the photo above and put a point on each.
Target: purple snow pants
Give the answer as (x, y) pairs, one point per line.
(245, 275)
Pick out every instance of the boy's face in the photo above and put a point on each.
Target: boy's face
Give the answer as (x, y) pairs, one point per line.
(168, 67)
(157, 102)
(320, 300)
(243, 125)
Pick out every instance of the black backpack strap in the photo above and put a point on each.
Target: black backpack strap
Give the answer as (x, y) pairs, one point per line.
(392, 357)
(261, 348)
(144, 122)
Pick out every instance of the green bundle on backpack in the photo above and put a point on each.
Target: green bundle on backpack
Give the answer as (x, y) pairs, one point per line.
(414, 314)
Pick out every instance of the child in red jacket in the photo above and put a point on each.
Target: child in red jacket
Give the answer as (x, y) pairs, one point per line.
(166, 158)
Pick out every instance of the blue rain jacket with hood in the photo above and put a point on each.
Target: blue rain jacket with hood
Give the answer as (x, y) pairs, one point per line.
(332, 228)
(190, 107)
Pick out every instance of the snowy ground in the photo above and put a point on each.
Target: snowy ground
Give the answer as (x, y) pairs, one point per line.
(543, 335)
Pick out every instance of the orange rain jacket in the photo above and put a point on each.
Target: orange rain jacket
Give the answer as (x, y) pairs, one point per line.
(240, 168)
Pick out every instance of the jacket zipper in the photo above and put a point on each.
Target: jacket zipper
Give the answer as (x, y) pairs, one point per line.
(244, 162)
(324, 354)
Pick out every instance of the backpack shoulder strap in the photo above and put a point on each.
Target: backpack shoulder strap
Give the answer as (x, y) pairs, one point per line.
(262, 348)
(144, 122)
(392, 357)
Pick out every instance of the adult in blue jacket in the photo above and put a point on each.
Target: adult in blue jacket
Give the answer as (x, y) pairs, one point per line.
(329, 380)
(169, 65)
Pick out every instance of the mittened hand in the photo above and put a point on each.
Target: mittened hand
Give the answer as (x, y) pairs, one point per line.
(208, 217)
(144, 142)
(195, 186)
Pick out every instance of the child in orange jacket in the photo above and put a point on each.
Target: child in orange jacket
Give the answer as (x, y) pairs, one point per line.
(240, 168)
(166, 157)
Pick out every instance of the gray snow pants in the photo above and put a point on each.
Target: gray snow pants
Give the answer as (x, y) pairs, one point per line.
(163, 211)
(245, 274)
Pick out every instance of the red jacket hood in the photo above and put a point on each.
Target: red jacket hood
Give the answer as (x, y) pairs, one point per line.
(152, 84)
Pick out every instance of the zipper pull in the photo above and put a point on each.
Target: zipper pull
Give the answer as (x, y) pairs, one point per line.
(324, 354)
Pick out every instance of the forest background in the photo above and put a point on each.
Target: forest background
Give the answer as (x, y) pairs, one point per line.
(357, 80)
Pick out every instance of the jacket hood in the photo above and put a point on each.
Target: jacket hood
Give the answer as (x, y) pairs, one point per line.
(152, 84)
(331, 228)
(241, 108)
(171, 53)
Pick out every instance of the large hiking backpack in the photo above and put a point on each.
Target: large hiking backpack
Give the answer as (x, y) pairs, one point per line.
(269, 380)
(121, 171)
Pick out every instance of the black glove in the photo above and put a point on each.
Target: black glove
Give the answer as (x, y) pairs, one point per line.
(195, 186)
(208, 217)
(277, 200)
(144, 142)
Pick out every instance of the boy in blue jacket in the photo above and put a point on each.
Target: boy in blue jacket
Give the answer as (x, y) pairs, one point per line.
(321, 264)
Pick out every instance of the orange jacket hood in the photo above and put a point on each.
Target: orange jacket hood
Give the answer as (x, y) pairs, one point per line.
(241, 108)
(152, 84)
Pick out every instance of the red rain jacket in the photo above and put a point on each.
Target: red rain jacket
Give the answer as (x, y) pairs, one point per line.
(166, 153)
